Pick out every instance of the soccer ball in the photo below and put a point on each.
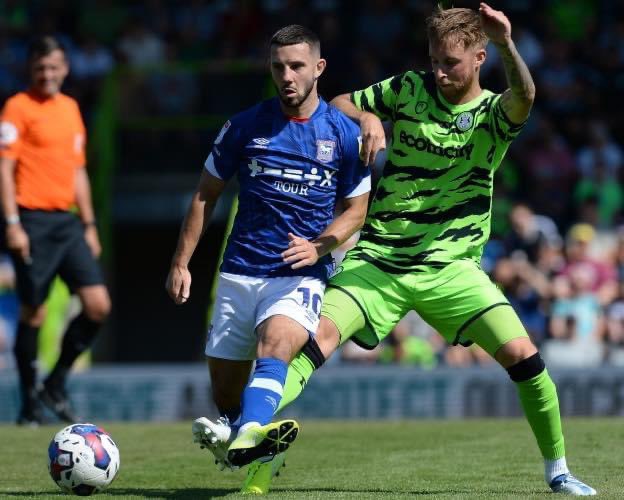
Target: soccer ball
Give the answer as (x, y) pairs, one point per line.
(83, 459)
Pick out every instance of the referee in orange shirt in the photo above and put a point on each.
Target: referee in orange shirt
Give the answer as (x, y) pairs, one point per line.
(43, 180)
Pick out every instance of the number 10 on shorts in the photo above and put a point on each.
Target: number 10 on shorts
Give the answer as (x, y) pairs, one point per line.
(315, 303)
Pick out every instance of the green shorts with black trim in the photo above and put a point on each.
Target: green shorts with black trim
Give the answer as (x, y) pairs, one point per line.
(366, 303)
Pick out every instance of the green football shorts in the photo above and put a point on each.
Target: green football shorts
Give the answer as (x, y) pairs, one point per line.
(366, 303)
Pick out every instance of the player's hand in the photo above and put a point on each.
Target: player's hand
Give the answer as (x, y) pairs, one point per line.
(373, 138)
(178, 284)
(495, 24)
(18, 242)
(300, 252)
(93, 240)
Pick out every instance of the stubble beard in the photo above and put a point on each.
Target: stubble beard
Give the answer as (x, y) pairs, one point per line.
(297, 100)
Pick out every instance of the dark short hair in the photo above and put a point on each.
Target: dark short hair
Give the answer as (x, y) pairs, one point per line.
(43, 46)
(294, 34)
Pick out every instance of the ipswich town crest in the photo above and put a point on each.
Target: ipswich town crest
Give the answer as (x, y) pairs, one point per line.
(325, 151)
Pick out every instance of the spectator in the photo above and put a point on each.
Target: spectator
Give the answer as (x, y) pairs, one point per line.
(551, 172)
(579, 316)
(614, 335)
(173, 90)
(198, 16)
(577, 323)
(526, 288)
(412, 342)
(530, 232)
(560, 81)
(599, 196)
(601, 273)
(350, 352)
(90, 60)
(139, 47)
(600, 152)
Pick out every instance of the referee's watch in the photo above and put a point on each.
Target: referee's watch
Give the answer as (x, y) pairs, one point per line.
(12, 220)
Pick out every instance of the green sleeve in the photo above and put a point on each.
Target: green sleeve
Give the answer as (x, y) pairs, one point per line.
(380, 98)
(504, 129)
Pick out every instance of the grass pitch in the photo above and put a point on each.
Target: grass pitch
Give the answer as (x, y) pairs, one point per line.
(338, 459)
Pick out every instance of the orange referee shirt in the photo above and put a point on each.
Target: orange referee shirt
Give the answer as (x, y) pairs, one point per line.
(46, 137)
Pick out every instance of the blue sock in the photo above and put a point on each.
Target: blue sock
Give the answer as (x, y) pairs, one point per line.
(264, 393)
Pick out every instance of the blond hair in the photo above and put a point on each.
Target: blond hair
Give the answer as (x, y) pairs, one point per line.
(456, 26)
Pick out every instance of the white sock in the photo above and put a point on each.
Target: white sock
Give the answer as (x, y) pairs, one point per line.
(247, 426)
(554, 468)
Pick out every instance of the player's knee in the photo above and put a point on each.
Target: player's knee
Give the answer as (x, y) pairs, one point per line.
(527, 368)
(327, 337)
(98, 308)
(515, 351)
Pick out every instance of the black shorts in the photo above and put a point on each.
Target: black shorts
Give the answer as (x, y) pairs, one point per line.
(57, 246)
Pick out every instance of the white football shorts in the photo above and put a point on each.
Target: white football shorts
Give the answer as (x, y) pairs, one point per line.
(243, 302)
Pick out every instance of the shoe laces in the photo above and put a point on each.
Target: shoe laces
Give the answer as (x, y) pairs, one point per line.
(224, 420)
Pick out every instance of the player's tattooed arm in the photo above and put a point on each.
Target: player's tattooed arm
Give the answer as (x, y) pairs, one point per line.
(518, 98)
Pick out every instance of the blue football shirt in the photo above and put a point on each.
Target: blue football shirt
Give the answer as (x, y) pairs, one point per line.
(291, 174)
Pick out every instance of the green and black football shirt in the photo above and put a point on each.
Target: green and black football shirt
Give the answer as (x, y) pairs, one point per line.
(433, 203)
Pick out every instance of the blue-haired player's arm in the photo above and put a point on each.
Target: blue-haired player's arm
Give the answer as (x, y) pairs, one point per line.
(219, 167)
(301, 252)
(354, 185)
(195, 222)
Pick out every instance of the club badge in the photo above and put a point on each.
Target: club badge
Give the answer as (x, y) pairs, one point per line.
(325, 151)
(464, 121)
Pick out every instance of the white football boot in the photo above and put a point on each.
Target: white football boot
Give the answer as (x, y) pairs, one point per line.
(569, 485)
(216, 436)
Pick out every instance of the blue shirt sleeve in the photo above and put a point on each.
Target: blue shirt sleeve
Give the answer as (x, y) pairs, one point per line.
(224, 159)
(354, 178)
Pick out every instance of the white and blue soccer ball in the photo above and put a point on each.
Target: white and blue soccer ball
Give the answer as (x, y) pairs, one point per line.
(83, 459)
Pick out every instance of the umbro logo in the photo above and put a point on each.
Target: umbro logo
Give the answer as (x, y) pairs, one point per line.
(261, 142)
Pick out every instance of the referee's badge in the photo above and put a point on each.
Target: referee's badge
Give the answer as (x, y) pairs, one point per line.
(8, 133)
(464, 121)
(325, 151)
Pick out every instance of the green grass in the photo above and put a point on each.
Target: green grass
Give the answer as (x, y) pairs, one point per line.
(338, 459)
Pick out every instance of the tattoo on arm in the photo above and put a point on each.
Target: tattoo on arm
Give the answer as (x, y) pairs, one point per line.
(517, 100)
(518, 75)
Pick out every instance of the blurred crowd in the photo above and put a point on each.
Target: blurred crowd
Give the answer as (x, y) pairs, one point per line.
(557, 247)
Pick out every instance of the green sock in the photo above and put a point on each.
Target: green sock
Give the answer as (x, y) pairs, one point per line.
(541, 407)
(300, 370)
